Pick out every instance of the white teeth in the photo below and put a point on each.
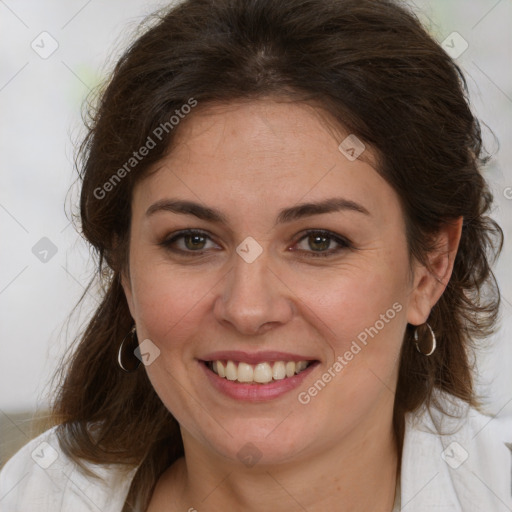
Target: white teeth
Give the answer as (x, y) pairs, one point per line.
(221, 369)
(231, 371)
(261, 373)
(245, 372)
(279, 370)
(301, 365)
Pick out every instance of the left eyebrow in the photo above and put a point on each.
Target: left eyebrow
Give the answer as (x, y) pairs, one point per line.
(334, 204)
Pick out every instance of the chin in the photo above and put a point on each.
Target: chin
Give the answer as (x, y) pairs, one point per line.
(254, 442)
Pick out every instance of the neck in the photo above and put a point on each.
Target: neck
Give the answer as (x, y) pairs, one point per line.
(358, 474)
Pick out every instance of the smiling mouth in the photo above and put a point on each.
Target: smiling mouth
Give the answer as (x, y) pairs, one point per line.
(260, 373)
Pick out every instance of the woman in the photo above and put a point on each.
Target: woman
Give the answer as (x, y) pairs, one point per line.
(292, 231)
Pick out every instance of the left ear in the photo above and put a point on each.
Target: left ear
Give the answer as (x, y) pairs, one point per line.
(429, 285)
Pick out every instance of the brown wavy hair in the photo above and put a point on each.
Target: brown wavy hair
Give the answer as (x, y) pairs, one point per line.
(374, 68)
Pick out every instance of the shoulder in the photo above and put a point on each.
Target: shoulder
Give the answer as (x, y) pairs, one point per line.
(457, 459)
(41, 477)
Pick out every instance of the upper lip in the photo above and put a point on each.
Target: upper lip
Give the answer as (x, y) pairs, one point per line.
(254, 357)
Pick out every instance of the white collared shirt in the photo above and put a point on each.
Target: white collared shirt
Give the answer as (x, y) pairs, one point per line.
(469, 470)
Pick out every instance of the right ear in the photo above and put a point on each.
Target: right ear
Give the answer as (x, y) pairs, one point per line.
(124, 275)
(127, 288)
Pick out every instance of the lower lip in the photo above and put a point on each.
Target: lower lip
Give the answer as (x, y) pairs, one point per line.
(256, 392)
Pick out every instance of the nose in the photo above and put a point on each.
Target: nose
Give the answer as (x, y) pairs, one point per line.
(254, 298)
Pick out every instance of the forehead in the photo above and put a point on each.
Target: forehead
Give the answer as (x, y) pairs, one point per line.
(268, 128)
(260, 155)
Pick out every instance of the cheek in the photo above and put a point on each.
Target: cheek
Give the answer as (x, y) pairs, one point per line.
(169, 303)
(349, 301)
(361, 314)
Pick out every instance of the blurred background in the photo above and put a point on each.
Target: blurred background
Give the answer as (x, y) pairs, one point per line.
(54, 53)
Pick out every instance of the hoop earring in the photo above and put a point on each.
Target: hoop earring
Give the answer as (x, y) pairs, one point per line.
(126, 364)
(433, 343)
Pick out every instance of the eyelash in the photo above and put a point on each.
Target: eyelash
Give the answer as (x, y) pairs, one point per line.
(344, 243)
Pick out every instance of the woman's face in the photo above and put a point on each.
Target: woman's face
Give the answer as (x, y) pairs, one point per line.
(252, 287)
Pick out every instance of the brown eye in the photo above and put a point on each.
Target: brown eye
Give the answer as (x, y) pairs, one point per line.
(194, 241)
(320, 241)
(189, 241)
